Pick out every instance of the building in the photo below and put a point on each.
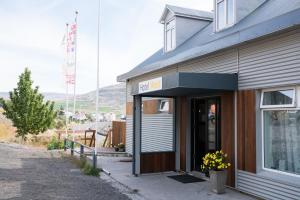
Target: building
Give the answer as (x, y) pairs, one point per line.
(231, 80)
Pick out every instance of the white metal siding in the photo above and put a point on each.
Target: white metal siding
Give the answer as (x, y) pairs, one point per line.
(157, 132)
(266, 188)
(271, 62)
(129, 133)
(225, 62)
(129, 97)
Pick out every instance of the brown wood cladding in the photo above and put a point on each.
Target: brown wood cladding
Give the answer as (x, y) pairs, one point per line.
(129, 108)
(150, 106)
(246, 131)
(157, 162)
(227, 132)
(118, 132)
(183, 131)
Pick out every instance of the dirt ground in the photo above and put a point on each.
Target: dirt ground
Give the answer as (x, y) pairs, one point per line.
(31, 173)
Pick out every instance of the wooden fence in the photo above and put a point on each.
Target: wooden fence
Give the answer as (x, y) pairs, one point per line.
(118, 132)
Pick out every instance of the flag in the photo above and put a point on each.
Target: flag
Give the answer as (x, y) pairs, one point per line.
(69, 41)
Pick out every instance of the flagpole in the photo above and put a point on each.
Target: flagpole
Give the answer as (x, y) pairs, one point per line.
(75, 71)
(67, 87)
(97, 87)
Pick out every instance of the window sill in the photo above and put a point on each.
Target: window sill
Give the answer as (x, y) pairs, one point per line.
(225, 28)
(282, 178)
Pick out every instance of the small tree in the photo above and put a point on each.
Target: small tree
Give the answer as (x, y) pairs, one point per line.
(27, 109)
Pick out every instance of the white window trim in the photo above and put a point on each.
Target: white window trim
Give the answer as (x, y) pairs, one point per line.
(263, 142)
(225, 7)
(278, 106)
(165, 34)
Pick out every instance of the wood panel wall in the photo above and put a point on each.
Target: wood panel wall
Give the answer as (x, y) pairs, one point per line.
(183, 131)
(246, 131)
(157, 162)
(118, 132)
(150, 106)
(129, 108)
(227, 133)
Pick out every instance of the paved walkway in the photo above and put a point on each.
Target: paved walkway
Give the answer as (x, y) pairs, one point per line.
(27, 173)
(160, 187)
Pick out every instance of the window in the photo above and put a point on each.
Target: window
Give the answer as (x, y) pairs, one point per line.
(278, 98)
(224, 13)
(281, 131)
(164, 106)
(170, 38)
(282, 140)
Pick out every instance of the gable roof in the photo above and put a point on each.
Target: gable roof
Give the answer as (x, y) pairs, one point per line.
(186, 12)
(272, 16)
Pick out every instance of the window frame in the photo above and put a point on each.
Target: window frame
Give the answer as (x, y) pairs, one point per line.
(263, 140)
(293, 105)
(172, 29)
(227, 25)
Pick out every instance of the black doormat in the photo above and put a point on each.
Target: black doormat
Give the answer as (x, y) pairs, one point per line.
(185, 178)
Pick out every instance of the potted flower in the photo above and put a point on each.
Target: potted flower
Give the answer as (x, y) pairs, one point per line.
(121, 147)
(217, 166)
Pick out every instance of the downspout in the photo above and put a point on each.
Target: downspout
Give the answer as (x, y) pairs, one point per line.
(235, 124)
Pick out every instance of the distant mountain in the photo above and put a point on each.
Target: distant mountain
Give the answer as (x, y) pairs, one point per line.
(111, 99)
(4, 95)
(108, 96)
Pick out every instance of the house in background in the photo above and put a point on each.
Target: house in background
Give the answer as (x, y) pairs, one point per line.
(231, 80)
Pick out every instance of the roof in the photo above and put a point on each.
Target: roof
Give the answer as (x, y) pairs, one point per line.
(186, 12)
(272, 16)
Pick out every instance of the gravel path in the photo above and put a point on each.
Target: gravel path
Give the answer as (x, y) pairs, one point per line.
(29, 173)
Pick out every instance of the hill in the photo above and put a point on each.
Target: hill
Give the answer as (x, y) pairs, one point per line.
(111, 99)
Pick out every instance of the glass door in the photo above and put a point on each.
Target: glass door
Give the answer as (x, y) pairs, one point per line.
(205, 129)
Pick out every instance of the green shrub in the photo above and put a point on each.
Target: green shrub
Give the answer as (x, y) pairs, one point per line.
(90, 170)
(55, 144)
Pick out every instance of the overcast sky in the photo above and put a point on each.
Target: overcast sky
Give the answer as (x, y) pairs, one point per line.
(32, 31)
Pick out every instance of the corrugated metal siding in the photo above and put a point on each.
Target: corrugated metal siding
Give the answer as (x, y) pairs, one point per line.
(129, 134)
(157, 133)
(270, 62)
(129, 97)
(225, 62)
(265, 188)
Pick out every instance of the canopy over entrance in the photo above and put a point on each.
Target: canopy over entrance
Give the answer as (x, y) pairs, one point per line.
(184, 84)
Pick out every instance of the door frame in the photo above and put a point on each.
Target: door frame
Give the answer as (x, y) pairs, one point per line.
(192, 127)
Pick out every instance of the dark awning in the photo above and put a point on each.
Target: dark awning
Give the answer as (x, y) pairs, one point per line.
(181, 84)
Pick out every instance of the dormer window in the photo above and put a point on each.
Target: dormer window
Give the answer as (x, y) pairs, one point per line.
(170, 37)
(224, 14)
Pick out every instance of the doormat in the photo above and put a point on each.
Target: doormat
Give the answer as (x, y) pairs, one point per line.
(185, 178)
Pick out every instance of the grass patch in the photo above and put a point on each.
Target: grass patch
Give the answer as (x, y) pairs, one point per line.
(85, 166)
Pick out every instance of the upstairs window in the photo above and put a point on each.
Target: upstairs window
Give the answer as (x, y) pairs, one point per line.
(224, 13)
(170, 38)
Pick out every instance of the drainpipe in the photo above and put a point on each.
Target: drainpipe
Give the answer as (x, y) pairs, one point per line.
(235, 138)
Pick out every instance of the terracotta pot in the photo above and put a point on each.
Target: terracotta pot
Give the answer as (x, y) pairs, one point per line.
(217, 181)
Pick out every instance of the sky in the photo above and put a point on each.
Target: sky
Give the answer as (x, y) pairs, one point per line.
(32, 31)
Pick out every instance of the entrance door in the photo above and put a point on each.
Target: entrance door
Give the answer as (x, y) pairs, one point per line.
(206, 136)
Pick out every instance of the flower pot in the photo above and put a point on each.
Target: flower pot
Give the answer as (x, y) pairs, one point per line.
(218, 181)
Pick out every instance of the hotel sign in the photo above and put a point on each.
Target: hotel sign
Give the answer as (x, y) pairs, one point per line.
(150, 85)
